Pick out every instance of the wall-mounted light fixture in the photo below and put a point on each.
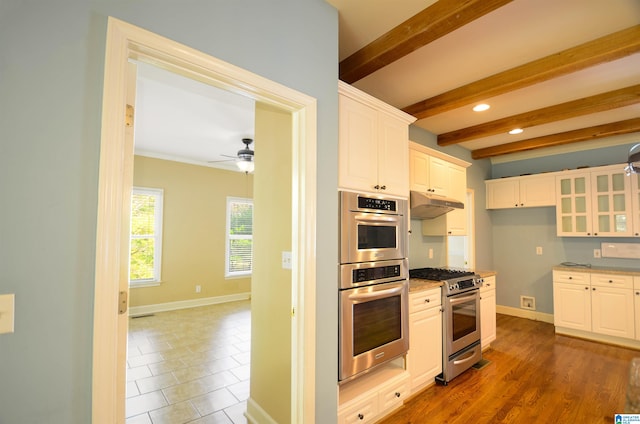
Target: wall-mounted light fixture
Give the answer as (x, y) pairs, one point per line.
(633, 163)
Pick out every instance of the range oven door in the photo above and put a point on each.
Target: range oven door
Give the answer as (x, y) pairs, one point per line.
(368, 234)
(374, 327)
(462, 320)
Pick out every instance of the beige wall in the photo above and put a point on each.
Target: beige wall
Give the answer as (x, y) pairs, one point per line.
(193, 242)
(271, 287)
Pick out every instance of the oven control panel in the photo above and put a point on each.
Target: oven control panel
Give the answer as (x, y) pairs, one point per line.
(370, 274)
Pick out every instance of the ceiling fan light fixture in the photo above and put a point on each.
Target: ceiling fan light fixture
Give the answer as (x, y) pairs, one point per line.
(245, 165)
(516, 131)
(481, 107)
(633, 162)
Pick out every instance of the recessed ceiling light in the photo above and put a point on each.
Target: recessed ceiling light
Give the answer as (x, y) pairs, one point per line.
(516, 131)
(481, 107)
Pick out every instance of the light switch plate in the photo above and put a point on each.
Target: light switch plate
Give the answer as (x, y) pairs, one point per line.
(286, 260)
(7, 303)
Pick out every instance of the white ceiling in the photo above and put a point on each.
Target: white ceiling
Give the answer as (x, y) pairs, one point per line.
(514, 34)
(184, 120)
(181, 119)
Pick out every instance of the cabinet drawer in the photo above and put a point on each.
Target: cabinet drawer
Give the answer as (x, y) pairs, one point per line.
(422, 300)
(571, 277)
(393, 396)
(612, 280)
(364, 411)
(488, 285)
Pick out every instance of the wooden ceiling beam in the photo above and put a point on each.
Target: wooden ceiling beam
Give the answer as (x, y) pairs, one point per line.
(437, 20)
(584, 134)
(585, 106)
(604, 49)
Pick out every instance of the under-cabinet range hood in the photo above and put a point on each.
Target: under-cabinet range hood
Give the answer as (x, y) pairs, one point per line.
(429, 206)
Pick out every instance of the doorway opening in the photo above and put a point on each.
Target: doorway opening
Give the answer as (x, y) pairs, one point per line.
(125, 42)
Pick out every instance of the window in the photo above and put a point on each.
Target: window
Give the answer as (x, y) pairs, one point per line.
(239, 249)
(145, 242)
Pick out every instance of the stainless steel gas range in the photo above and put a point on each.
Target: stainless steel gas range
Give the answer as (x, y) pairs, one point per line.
(461, 320)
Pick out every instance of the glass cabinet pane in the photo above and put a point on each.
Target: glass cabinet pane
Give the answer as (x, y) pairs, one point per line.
(581, 205)
(581, 224)
(621, 223)
(566, 205)
(565, 186)
(602, 183)
(603, 203)
(617, 182)
(603, 224)
(567, 224)
(619, 204)
(580, 185)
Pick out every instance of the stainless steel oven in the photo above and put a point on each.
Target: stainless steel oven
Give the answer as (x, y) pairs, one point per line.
(461, 320)
(374, 325)
(372, 227)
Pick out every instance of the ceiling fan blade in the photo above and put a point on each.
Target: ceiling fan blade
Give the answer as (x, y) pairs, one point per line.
(224, 160)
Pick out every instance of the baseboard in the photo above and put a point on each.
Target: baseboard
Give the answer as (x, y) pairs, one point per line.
(602, 338)
(256, 415)
(523, 313)
(184, 304)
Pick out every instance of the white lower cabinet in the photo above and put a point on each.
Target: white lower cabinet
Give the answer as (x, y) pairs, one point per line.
(488, 311)
(374, 395)
(597, 303)
(424, 359)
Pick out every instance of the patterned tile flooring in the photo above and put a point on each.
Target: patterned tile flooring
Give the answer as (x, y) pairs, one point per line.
(190, 365)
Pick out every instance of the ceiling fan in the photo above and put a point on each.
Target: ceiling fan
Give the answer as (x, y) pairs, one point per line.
(243, 159)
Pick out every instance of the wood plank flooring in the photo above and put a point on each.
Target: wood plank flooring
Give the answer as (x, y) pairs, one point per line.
(534, 376)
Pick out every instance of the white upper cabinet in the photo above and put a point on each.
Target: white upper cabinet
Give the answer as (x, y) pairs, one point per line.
(594, 203)
(521, 192)
(373, 144)
(439, 174)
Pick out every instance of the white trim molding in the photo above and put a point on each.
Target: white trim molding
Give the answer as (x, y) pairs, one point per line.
(532, 315)
(136, 311)
(125, 42)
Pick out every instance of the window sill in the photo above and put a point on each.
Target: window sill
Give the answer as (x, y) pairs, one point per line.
(145, 284)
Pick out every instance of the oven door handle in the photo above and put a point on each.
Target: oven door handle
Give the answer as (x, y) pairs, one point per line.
(376, 294)
(373, 218)
(467, 357)
(458, 300)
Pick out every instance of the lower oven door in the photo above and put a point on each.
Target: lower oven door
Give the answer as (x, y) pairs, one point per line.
(374, 326)
(463, 320)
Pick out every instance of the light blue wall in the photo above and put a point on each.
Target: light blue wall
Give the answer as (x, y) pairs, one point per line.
(51, 70)
(477, 173)
(517, 233)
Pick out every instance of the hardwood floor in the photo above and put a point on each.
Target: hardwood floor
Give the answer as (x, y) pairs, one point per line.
(534, 376)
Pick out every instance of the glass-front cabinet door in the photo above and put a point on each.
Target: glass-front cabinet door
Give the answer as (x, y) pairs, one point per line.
(573, 206)
(611, 203)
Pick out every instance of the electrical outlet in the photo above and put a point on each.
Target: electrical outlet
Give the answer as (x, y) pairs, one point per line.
(7, 306)
(198, 288)
(430, 253)
(539, 250)
(597, 253)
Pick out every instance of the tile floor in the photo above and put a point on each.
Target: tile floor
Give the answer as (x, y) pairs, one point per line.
(190, 366)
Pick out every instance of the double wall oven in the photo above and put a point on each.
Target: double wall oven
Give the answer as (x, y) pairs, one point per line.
(461, 321)
(373, 289)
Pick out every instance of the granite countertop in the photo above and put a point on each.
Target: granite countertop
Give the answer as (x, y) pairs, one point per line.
(418, 284)
(594, 269)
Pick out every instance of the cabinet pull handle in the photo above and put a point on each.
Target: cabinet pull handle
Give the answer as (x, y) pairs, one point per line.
(360, 417)
(570, 278)
(637, 293)
(384, 187)
(397, 394)
(610, 281)
(586, 288)
(376, 186)
(427, 300)
(594, 289)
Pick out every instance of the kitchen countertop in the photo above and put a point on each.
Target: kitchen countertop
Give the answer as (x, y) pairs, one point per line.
(608, 270)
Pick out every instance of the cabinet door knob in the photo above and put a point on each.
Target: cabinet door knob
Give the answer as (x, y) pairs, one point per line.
(570, 278)
(360, 417)
(376, 186)
(398, 394)
(427, 300)
(594, 289)
(586, 288)
(637, 293)
(610, 281)
(384, 187)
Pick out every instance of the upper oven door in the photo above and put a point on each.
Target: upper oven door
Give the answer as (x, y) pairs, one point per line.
(367, 234)
(463, 320)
